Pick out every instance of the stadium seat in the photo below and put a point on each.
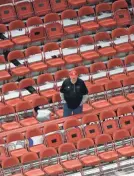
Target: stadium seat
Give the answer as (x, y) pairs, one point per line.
(125, 115)
(53, 26)
(28, 89)
(99, 73)
(17, 64)
(58, 5)
(120, 37)
(9, 164)
(24, 9)
(53, 135)
(129, 60)
(41, 7)
(104, 44)
(116, 69)
(10, 121)
(124, 149)
(57, 105)
(115, 92)
(76, 4)
(18, 32)
(35, 59)
(97, 97)
(70, 22)
(55, 168)
(26, 114)
(11, 94)
(16, 144)
(70, 51)
(53, 56)
(88, 159)
(4, 74)
(87, 19)
(34, 22)
(32, 169)
(91, 126)
(105, 15)
(60, 76)
(69, 163)
(87, 48)
(5, 42)
(121, 13)
(109, 124)
(131, 34)
(37, 34)
(73, 131)
(128, 87)
(7, 13)
(35, 140)
(46, 85)
(107, 154)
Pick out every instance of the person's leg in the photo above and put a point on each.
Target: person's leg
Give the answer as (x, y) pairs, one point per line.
(78, 110)
(66, 111)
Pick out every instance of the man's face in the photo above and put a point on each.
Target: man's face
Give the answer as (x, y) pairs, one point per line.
(73, 79)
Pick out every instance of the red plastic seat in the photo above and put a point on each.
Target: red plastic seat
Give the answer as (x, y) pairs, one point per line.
(25, 87)
(115, 92)
(116, 69)
(128, 87)
(70, 26)
(10, 121)
(42, 81)
(97, 96)
(104, 44)
(88, 23)
(55, 168)
(91, 126)
(126, 117)
(69, 164)
(129, 60)
(125, 149)
(96, 69)
(121, 13)
(35, 140)
(15, 148)
(88, 159)
(58, 6)
(7, 13)
(4, 74)
(41, 7)
(60, 76)
(87, 48)
(70, 52)
(53, 136)
(11, 162)
(35, 59)
(24, 9)
(6, 43)
(77, 3)
(18, 33)
(106, 20)
(21, 69)
(109, 124)
(120, 37)
(25, 114)
(53, 55)
(11, 94)
(32, 170)
(37, 34)
(106, 155)
(53, 26)
(72, 129)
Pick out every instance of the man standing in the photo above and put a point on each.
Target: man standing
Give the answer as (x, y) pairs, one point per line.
(74, 94)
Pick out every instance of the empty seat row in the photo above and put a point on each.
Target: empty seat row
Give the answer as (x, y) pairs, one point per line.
(70, 158)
